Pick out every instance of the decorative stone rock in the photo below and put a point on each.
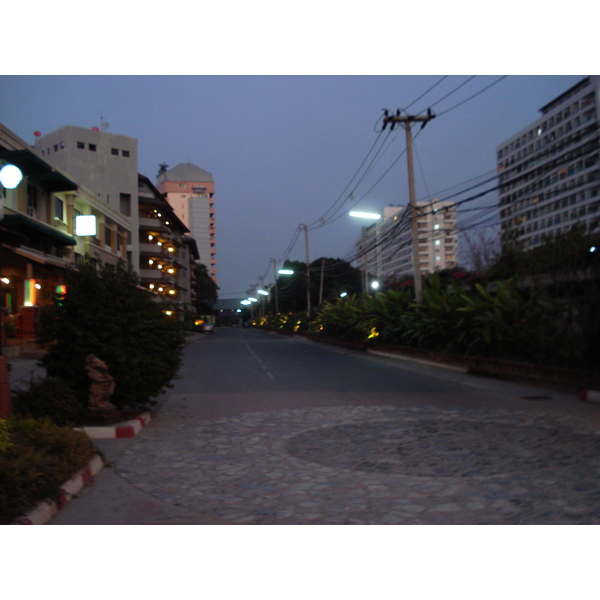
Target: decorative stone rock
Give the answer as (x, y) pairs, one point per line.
(102, 384)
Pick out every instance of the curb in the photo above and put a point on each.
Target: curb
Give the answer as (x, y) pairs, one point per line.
(590, 396)
(45, 510)
(127, 429)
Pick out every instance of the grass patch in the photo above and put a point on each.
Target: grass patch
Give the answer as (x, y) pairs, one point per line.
(36, 458)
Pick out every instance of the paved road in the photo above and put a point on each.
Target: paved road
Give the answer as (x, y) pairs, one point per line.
(265, 429)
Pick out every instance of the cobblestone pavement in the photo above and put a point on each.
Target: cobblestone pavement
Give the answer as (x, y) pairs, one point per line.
(373, 465)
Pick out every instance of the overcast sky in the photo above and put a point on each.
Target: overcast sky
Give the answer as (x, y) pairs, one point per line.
(284, 149)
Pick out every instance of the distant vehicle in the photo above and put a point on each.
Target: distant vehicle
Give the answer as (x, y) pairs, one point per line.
(208, 328)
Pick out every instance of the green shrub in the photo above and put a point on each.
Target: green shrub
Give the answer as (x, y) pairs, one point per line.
(107, 313)
(4, 436)
(50, 397)
(42, 457)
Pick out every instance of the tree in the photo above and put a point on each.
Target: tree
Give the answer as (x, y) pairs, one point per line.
(338, 276)
(206, 289)
(105, 312)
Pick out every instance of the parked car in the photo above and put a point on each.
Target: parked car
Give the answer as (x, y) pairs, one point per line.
(208, 327)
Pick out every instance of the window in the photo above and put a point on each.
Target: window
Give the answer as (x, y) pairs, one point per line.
(31, 199)
(92, 147)
(114, 151)
(81, 145)
(59, 209)
(125, 204)
(107, 235)
(125, 153)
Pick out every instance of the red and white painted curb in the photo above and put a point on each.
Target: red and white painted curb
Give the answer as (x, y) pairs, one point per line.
(590, 396)
(127, 429)
(46, 509)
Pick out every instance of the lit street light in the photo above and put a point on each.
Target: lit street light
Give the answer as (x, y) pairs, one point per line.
(364, 215)
(372, 217)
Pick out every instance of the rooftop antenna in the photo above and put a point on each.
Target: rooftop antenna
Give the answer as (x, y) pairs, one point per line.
(103, 123)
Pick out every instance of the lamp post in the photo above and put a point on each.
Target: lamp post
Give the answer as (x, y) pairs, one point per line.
(281, 272)
(373, 217)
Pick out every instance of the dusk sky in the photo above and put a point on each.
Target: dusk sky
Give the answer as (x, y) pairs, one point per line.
(284, 149)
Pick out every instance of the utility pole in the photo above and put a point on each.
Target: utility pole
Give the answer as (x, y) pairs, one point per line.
(321, 284)
(275, 286)
(407, 121)
(307, 273)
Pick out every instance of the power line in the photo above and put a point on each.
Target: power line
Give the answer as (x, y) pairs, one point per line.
(473, 96)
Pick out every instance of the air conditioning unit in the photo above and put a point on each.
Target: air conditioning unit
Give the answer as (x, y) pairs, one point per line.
(31, 212)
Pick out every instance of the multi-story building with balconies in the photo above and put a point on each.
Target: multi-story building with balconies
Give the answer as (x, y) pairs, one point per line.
(549, 172)
(385, 247)
(190, 191)
(41, 240)
(167, 254)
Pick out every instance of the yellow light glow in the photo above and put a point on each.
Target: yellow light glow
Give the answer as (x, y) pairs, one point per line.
(171, 292)
(150, 238)
(151, 286)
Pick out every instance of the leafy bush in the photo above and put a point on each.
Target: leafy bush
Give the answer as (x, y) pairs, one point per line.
(498, 321)
(4, 436)
(50, 397)
(41, 457)
(107, 313)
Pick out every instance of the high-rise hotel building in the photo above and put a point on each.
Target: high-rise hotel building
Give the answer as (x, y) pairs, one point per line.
(549, 173)
(190, 191)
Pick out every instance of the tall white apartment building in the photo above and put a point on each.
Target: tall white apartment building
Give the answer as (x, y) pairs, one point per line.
(107, 164)
(549, 173)
(384, 249)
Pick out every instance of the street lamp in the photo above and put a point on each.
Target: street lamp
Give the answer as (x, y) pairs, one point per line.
(364, 215)
(281, 272)
(372, 217)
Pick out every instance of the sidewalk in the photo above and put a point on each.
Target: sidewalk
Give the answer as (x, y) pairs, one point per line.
(22, 371)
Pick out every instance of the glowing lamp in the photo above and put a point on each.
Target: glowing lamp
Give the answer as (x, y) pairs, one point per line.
(10, 176)
(85, 225)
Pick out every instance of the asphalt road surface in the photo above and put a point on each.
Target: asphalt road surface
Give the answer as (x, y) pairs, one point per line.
(267, 429)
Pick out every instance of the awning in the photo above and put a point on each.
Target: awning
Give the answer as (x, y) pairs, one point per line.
(28, 226)
(38, 170)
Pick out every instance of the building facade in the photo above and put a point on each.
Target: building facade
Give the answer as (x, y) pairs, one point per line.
(40, 241)
(190, 192)
(549, 172)
(384, 249)
(167, 254)
(107, 164)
